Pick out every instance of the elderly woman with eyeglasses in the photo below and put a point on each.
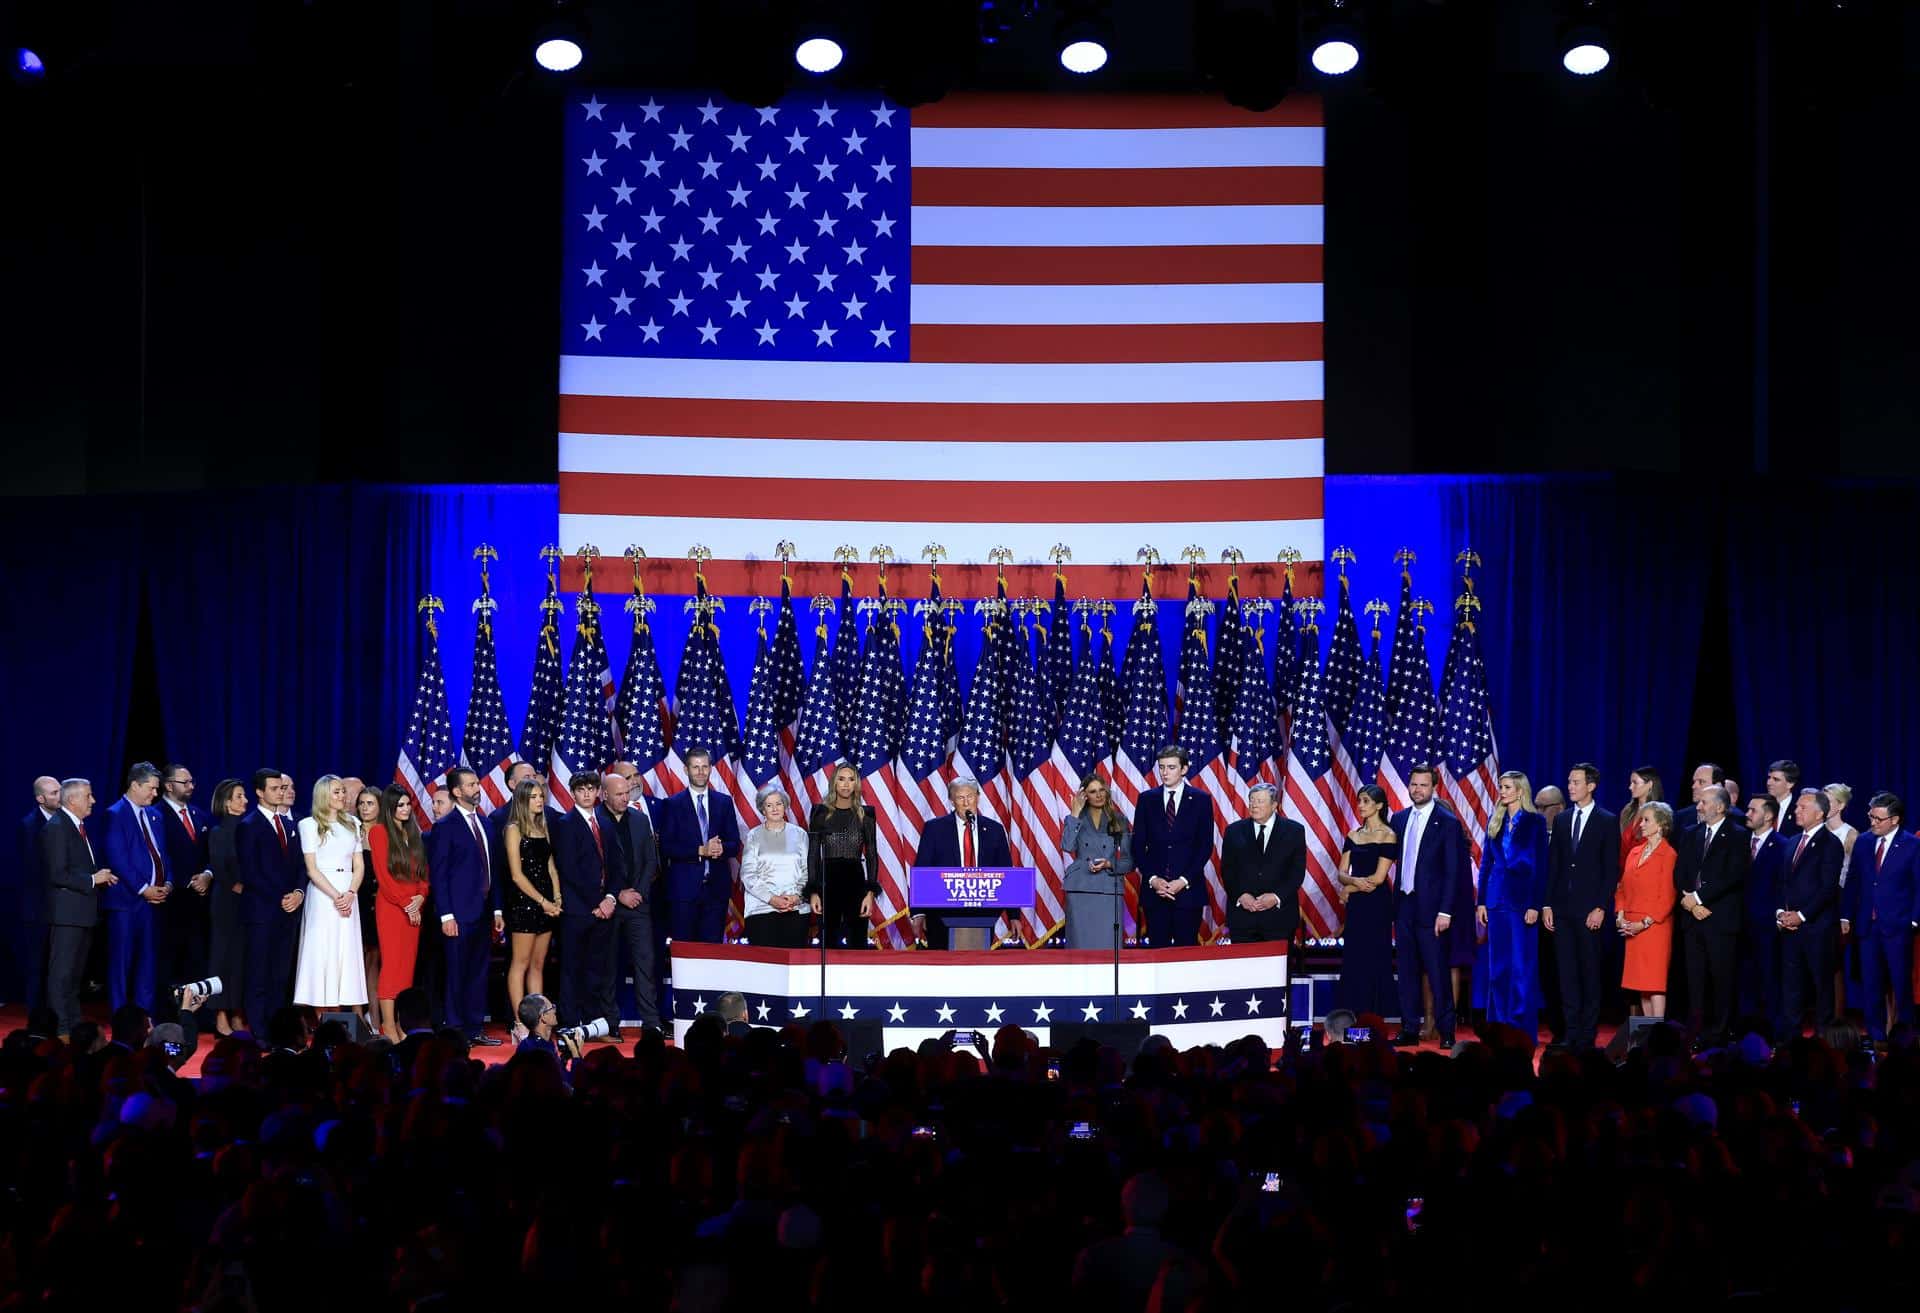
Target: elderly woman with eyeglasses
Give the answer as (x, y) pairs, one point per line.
(773, 872)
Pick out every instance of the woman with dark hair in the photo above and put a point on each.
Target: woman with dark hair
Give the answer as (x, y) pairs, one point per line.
(1095, 836)
(366, 819)
(400, 866)
(843, 862)
(1643, 787)
(227, 950)
(1366, 872)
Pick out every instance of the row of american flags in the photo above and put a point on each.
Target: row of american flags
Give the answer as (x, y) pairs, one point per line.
(1053, 698)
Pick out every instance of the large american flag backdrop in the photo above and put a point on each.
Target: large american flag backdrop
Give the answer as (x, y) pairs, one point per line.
(992, 321)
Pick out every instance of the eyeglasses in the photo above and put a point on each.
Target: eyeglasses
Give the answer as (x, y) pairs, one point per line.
(1877, 820)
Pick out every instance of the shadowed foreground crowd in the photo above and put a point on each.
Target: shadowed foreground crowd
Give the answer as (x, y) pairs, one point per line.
(759, 1170)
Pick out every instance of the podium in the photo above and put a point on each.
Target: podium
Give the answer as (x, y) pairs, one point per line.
(970, 899)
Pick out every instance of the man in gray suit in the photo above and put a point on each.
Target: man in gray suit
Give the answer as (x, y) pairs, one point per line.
(74, 879)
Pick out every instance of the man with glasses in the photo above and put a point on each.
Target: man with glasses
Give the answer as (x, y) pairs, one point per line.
(185, 921)
(1878, 906)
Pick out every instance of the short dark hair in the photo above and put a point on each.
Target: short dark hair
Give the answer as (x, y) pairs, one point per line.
(454, 776)
(412, 1010)
(584, 779)
(169, 770)
(688, 756)
(1891, 801)
(140, 772)
(1820, 797)
(263, 777)
(1173, 750)
(286, 1029)
(1788, 767)
(1425, 770)
(1715, 775)
(131, 1023)
(1588, 769)
(1768, 804)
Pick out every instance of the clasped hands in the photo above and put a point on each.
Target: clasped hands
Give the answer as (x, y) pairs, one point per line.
(1691, 901)
(1164, 887)
(1258, 902)
(711, 848)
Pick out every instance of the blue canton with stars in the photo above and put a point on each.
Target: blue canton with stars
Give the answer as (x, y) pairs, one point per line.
(699, 227)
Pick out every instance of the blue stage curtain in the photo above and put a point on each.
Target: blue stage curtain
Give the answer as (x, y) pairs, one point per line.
(1825, 631)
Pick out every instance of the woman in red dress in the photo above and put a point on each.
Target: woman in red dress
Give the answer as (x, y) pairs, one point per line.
(1644, 908)
(400, 868)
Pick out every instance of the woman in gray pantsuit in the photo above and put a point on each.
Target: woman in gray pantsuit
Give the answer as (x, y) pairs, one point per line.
(1096, 837)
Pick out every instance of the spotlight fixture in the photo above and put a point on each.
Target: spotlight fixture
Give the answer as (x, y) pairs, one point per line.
(1334, 41)
(1586, 43)
(1082, 37)
(27, 64)
(560, 43)
(818, 54)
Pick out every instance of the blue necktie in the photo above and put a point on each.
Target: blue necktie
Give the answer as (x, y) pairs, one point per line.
(700, 807)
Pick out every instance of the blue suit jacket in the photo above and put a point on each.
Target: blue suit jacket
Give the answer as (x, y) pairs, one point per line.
(940, 843)
(678, 826)
(1519, 881)
(1438, 869)
(462, 875)
(1763, 877)
(585, 877)
(1884, 898)
(1811, 887)
(1177, 851)
(129, 858)
(187, 857)
(266, 874)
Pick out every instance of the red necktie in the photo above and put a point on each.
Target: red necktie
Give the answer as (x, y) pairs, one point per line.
(186, 819)
(280, 827)
(1804, 839)
(1169, 808)
(146, 832)
(599, 843)
(1756, 845)
(966, 841)
(1880, 857)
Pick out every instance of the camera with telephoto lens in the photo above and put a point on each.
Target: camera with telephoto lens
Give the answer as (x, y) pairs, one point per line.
(572, 1039)
(204, 988)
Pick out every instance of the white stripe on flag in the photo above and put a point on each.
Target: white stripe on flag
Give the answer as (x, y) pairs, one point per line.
(1160, 303)
(1117, 148)
(1118, 225)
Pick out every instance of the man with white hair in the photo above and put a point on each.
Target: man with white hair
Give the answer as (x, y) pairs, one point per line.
(1263, 863)
(960, 839)
(28, 902)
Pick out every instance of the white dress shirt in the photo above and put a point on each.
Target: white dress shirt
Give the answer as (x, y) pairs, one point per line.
(1417, 819)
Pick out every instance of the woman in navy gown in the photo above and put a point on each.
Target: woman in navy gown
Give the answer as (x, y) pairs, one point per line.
(1513, 881)
(1366, 887)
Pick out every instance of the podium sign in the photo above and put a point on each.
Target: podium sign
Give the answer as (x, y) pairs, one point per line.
(970, 888)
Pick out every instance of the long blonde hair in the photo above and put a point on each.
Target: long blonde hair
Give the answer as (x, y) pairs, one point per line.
(1523, 787)
(859, 802)
(324, 816)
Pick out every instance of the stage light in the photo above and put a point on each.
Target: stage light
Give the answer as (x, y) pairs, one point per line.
(1336, 58)
(1585, 58)
(1334, 41)
(1083, 56)
(1586, 37)
(28, 64)
(558, 54)
(560, 43)
(818, 54)
(1082, 36)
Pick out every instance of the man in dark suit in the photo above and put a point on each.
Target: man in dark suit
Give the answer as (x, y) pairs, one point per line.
(1711, 874)
(133, 906)
(461, 869)
(589, 862)
(28, 902)
(1426, 896)
(186, 926)
(273, 884)
(1705, 776)
(961, 838)
(1583, 867)
(517, 774)
(633, 895)
(1263, 862)
(74, 876)
(1880, 907)
(1808, 917)
(699, 842)
(1172, 841)
(1760, 945)
(1783, 777)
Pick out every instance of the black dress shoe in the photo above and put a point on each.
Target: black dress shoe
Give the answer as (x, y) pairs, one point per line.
(1446, 1041)
(485, 1041)
(1406, 1039)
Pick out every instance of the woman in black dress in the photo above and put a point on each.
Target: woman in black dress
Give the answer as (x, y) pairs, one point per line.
(843, 863)
(533, 902)
(227, 949)
(366, 812)
(1366, 887)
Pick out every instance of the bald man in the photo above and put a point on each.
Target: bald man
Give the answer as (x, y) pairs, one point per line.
(26, 979)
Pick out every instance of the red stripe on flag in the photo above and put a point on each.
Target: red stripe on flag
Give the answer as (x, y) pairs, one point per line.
(1102, 265)
(1094, 344)
(959, 502)
(887, 421)
(1259, 185)
(735, 578)
(1143, 110)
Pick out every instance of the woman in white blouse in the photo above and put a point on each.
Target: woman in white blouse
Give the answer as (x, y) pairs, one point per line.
(332, 973)
(773, 871)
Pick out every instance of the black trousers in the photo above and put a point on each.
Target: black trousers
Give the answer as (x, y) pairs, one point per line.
(1579, 952)
(587, 947)
(1712, 974)
(633, 928)
(1807, 958)
(778, 929)
(67, 947)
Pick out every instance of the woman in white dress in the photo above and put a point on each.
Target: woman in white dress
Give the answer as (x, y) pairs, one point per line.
(332, 972)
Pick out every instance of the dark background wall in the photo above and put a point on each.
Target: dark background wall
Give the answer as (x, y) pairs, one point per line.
(253, 243)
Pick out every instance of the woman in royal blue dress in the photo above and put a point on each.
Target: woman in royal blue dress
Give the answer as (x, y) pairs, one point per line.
(1513, 879)
(1366, 888)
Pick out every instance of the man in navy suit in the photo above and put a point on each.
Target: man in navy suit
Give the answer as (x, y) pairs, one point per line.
(1783, 777)
(132, 842)
(1880, 907)
(185, 920)
(589, 862)
(961, 838)
(28, 902)
(461, 866)
(273, 884)
(1711, 876)
(699, 841)
(1172, 841)
(1583, 868)
(1263, 863)
(1426, 895)
(1807, 914)
(72, 875)
(1760, 947)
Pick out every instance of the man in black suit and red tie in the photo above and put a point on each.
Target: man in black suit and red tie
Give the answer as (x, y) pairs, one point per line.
(962, 838)
(1882, 901)
(587, 857)
(1711, 875)
(1263, 863)
(1807, 914)
(75, 874)
(1583, 869)
(1172, 840)
(185, 922)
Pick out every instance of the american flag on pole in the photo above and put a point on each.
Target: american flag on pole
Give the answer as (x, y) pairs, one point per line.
(1346, 668)
(584, 740)
(703, 708)
(917, 791)
(1113, 698)
(1312, 793)
(1056, 630)
(1144, 732)
(1286, 655)
(549, 683)
(1411, 713)
(981, 754)
(641, 710)
(1229, 646)
(1469, 758)
(773, 706)
(877, 738)
(1366, 736)
(831, 319)
(426, 754)
(486, 747)
(1040, 794)
(1199, 733)
(846, 668)
(816, 749)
